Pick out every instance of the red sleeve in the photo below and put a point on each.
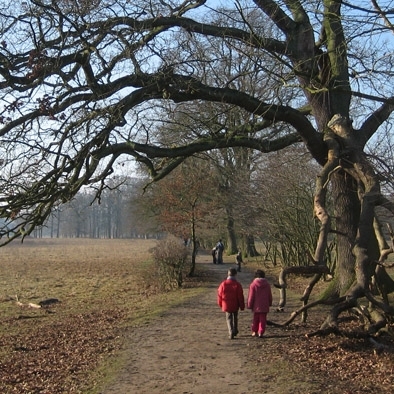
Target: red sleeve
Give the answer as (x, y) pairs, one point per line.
(250, 297)
(220, 294)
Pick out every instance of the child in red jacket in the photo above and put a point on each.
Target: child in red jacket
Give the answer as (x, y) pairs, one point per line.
(231, 299)
(259, 301)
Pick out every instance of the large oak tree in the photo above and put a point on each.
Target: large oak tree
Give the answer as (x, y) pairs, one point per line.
(83, 83)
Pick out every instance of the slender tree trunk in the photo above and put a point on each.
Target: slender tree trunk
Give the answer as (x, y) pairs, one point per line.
(251, 250)
(231, 236)
(194, 243)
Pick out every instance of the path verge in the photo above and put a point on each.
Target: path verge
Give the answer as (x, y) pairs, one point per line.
(187, 350)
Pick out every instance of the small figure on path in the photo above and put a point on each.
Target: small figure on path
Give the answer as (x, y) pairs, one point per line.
(238, 260)
(259, 301)
(219, 252)
(231, 299)
(214, 255)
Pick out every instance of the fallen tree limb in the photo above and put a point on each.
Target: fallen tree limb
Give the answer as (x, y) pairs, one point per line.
(329, 301)
(301, 270)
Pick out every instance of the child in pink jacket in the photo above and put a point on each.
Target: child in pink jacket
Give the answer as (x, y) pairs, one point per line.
(259, 301)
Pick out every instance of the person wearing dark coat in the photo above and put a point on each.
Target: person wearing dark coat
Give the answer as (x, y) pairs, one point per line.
(213, 252)
(238, 260)
(219, 252)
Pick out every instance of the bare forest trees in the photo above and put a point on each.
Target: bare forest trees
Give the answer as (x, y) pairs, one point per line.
(231, 167)
(186, 204)
(84, 216)
(281, 198)
(83, 85)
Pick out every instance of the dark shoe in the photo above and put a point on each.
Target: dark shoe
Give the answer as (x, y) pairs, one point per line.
(235, 333)
(260, 335)
(231, 336)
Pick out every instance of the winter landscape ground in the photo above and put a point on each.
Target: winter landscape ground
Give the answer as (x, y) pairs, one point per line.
(111, 332)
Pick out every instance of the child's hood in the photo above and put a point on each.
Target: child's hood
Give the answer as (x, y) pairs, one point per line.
(261, 282)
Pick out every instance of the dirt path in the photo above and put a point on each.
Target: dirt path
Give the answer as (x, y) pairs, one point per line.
(187, 350)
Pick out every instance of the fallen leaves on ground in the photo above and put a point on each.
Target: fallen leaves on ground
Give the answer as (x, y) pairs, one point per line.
(351, 365)
(55, 354)
(56, 357)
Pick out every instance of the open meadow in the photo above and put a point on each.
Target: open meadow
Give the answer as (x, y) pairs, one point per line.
(94, 289)
(104, 328)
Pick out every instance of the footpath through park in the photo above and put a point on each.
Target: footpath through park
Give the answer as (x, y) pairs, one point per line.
(187, 350)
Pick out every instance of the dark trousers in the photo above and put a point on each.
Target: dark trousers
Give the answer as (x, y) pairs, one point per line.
(214, 257)
(232, 323)
(220, 257)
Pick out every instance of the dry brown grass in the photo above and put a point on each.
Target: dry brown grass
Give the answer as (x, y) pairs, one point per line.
(105, 289)
(104, 286)
(80, 272)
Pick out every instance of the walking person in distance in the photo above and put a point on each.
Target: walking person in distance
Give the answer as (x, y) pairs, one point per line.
(238, 260)
(219, 252)
(213, 253)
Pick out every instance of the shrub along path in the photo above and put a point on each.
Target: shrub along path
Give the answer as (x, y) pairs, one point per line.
(187, 350)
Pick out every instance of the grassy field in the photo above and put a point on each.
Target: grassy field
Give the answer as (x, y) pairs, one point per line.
(79, 272)
(103, 286)
(105, 289)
